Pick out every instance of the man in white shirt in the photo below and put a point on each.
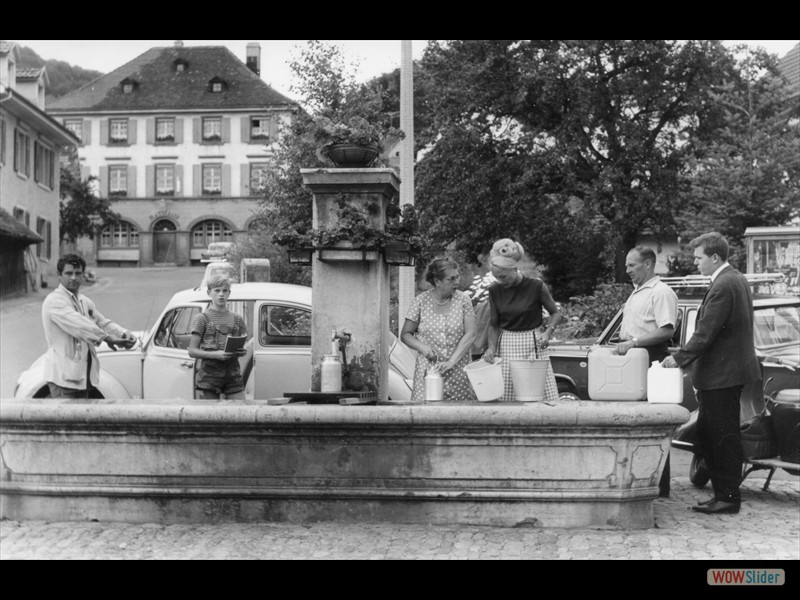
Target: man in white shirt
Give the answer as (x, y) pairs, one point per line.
(649, 319)
(73, 328)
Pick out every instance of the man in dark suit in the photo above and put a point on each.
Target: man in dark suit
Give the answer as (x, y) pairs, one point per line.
(722, 355)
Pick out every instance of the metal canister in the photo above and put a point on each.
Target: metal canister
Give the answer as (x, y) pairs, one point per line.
(331, 373)
(434, 385)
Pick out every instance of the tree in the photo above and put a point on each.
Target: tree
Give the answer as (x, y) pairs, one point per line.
(747, 173)
(82, 213)
(596, 125)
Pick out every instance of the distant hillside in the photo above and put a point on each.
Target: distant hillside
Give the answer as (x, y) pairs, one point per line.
(63, 77)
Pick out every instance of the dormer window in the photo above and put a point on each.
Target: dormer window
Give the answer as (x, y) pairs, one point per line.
(128, 86)
(180, 65)
(217, 85)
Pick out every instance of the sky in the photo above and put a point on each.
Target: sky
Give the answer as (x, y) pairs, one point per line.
(373, 56)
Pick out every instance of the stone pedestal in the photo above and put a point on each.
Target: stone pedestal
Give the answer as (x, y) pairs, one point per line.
(351, 288)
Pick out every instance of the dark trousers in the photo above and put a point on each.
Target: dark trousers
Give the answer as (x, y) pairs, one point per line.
(721, 439)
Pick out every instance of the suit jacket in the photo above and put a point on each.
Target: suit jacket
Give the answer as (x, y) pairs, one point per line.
(721, 351)
(73, 327)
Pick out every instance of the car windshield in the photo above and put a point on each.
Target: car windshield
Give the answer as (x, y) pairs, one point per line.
(777, 325)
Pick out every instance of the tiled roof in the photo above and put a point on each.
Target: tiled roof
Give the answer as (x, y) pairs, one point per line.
(790, 66)
(31, 73)
(10, 227)
(160, 86)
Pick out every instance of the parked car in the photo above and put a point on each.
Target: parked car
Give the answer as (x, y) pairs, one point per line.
(278, 360)
(776, 333)
(216, 251)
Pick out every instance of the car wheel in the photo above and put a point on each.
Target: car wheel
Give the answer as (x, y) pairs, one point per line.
(698, 471)
(567, 392)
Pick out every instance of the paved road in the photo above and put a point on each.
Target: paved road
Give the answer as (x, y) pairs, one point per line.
(767, 529)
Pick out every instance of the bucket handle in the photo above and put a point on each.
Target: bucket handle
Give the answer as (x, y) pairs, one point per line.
(535, 354)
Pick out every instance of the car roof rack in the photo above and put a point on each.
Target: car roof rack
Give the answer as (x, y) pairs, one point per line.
(764, 282)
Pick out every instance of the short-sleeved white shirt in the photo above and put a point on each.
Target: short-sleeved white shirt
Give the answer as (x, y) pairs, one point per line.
(651, 305)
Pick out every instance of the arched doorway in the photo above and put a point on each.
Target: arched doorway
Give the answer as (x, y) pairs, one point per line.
(164, 241)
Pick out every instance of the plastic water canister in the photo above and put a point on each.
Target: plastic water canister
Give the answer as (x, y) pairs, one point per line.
(664, 386)
(331, 374)
(434, 386)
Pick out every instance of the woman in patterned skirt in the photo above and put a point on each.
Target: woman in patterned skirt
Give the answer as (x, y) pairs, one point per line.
(516, 302)
(440, 326)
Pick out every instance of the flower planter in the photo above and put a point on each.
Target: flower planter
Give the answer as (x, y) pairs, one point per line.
(351, 155)
(345, 251)
(399, 253)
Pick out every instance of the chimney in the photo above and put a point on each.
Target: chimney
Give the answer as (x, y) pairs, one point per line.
(253, 60)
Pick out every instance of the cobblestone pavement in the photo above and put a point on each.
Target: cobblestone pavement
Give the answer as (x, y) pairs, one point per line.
(767, 528)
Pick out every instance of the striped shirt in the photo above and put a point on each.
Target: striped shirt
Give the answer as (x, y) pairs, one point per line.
(220, 325)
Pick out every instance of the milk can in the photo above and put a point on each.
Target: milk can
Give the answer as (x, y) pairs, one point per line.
(331, 373)
(434, 385)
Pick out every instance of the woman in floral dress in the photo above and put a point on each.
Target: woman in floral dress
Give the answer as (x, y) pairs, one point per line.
(440, 326)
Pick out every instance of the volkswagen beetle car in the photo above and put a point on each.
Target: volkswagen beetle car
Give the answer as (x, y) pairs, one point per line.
(776, 335)
(278, 359)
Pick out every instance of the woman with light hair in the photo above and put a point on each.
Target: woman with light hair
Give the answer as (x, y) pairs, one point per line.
(516, 303)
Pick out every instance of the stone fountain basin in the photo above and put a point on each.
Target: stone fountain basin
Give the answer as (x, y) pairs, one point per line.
(565, 464)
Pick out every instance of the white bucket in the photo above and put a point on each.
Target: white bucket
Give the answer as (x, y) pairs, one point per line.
(529, 378)
(486, 379)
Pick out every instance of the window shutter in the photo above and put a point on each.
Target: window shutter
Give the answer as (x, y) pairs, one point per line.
(197, 180)
(149, 180)
(226, 130)
(85, 172)
(131, 181)
(87, 132)
(273, 128)
(245, 129)
(179, 180)
(131, 132)
(226, 180)
(178, 130)
(197, 126)
(104, 132)
(104, 182)
(245, 174)
(150, 126)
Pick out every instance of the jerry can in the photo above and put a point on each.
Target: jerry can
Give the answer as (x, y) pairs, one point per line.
(618, 377)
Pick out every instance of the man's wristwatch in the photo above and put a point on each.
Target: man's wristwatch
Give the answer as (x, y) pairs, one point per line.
(635, 342)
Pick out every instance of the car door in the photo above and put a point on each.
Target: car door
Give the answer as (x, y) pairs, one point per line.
(281, 350)
(168, 370)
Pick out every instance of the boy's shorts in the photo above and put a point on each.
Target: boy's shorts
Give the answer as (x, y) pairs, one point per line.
(220, 376)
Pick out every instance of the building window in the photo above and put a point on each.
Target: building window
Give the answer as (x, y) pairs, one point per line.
(216, 85)
(212, 129)
(118, 180)
(259, 128)
(2, 141)
(118, 131)
(212, 179)
(258, 178)
(75, 126)
(210, 231)
(119, 235)
(165, 180)
(165, 130)
(43, 165)
(22, 150)
(23, 216)
(43, 228)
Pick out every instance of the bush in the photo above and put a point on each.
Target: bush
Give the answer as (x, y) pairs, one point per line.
(587, 316)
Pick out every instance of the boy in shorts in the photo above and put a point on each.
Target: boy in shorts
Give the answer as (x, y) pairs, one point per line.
(218, 371)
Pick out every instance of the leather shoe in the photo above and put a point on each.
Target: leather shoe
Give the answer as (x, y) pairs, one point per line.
(706, 502)
(718, 507)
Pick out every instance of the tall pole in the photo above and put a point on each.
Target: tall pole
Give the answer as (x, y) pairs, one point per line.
(406, 280)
